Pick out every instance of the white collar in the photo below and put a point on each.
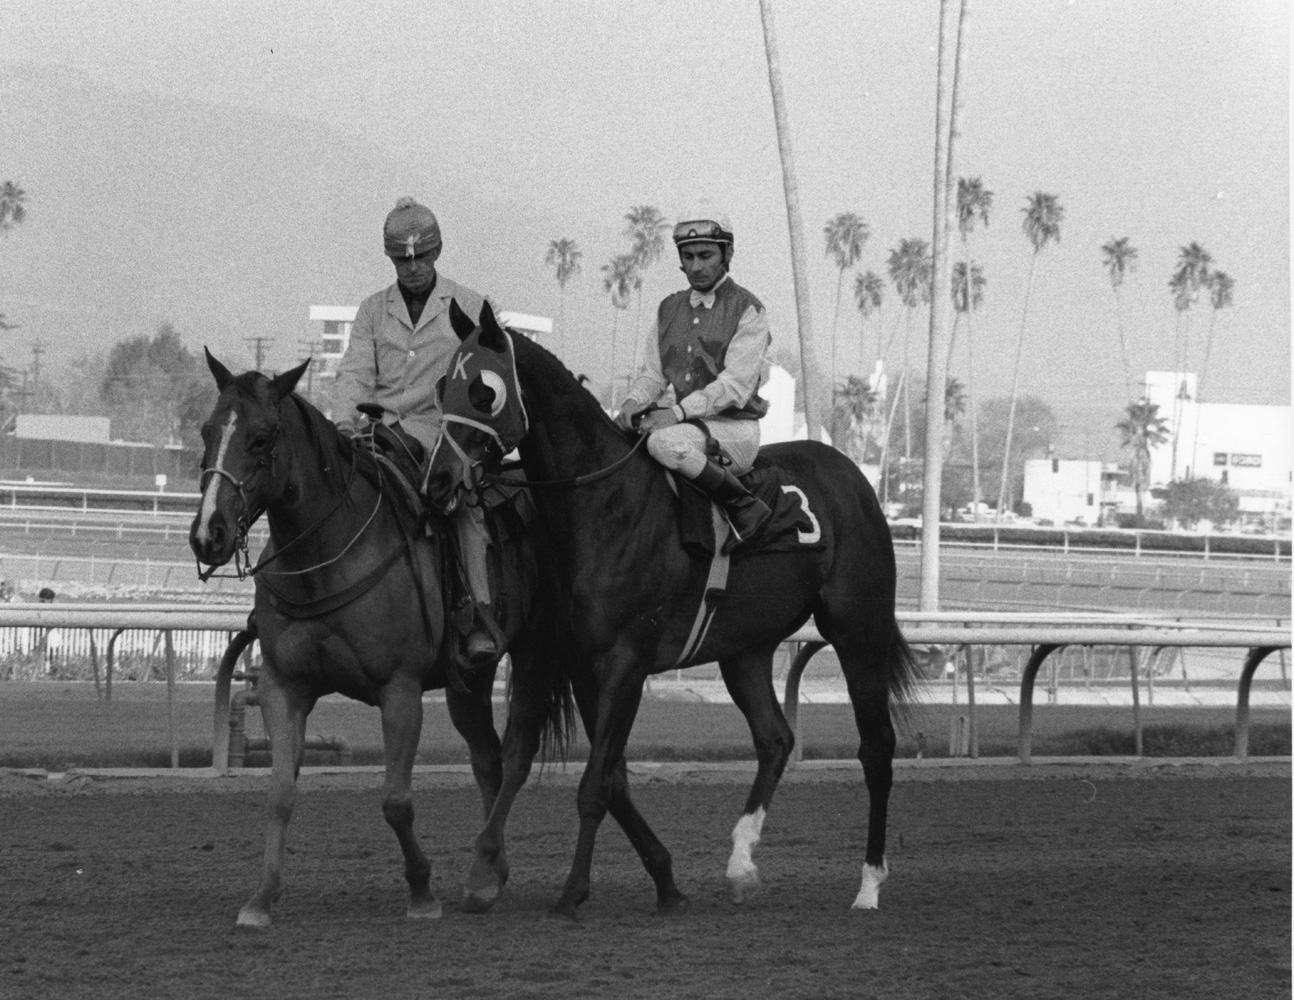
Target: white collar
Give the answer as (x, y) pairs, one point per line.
(706, 298)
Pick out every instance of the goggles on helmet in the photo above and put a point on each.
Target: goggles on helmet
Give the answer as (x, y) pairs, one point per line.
(701, 231)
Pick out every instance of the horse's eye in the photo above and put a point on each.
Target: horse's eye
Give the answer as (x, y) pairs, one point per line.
(259, 442)
(488, 393)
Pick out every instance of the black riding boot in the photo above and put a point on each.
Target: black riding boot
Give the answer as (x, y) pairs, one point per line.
(746, 513)
(482, 650)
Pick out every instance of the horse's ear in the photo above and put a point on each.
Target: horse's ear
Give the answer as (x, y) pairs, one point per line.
(461, 323)
(281, 385)
(492, 336)
(221, 373)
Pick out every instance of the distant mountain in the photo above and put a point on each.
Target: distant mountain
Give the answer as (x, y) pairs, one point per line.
(227, 223)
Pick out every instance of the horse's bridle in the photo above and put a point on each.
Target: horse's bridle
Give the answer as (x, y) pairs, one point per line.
(242, 557)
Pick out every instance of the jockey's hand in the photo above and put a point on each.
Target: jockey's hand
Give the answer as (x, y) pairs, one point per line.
(625, 418)
(657, 420)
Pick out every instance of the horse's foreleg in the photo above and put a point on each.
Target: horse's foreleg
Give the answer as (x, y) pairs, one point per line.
(749, 679)
(401, 704)
(876, 752)
(500, 771)
(655, 856)
(284, 715)
(617, 707)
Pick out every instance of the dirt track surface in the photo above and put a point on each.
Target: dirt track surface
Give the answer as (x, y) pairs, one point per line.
(1086, 882)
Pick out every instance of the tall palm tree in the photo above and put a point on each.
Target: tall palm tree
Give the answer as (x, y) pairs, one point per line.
(13, 205)
(645, 226)
(852, 411)
(845, 236)
(620, 279)
(1221, 296)
(911, 270)
(869, 294)
(974, 204)
(1141, 430)
(1043, 215)
(1194, 266)
(1119, 257)
(815, 405)
(565, 256)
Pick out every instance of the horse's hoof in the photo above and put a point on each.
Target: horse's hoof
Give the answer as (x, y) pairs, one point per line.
(424, 909)
(564, 914)
(742, 888)
(673, 906)
(253, 919)
(479, 900)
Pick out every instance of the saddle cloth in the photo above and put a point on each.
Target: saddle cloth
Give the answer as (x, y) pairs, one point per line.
(784, 531)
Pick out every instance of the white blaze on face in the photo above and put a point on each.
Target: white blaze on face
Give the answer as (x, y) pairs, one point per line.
(213, 481)
(745, 835)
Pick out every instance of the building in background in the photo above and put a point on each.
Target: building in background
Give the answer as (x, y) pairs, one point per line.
(1247, 447)
(1072, 491)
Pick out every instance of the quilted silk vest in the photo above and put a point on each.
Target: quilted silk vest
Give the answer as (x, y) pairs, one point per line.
(694, 342)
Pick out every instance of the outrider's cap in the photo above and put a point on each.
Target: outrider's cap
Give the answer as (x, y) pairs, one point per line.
(410, 230)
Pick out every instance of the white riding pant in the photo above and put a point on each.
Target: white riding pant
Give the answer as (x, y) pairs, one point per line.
(474, 545)
(682, 446)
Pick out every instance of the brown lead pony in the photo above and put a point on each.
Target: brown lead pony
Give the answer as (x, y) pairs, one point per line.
(630, 592)
(341, 607)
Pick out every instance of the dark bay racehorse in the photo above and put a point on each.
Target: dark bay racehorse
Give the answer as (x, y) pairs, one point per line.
(630, 592)
(338, 608)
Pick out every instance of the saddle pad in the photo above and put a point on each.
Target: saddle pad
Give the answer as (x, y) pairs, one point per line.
(790, 529)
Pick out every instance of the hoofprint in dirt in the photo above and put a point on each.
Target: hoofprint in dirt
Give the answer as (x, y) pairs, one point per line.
(1092, 881)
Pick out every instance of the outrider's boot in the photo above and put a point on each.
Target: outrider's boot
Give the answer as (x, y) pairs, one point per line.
(746, 513)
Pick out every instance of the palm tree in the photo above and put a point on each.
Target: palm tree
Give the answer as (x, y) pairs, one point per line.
(620, 279)
(645, 227)
(1221, 289)
(814, 397)
(13, 205)
(1119, 257)
(1192, 274)
(1043, 215)
(565, 256)
(845, 236)
(869, 293)
(954, 407)
(911, 271)
(1141, 430)
(853, 409)
(974, 202)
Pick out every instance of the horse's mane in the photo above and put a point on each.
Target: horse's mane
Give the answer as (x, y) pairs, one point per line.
(536, 360)
(333, 451)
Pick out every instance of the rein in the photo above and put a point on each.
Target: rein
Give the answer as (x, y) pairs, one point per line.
(499, 479)
(243, 567)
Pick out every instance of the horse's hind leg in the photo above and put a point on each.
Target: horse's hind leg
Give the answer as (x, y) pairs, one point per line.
(865, 677)
(749, 679)
(284, 713)
(401, 704)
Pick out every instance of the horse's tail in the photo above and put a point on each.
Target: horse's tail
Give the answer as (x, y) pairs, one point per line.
(902, 675)
(547, 686)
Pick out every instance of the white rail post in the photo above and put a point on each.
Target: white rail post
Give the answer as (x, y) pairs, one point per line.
(170, 699)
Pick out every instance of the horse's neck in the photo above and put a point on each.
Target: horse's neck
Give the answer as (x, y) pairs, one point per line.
(315, 477)
(570, 437)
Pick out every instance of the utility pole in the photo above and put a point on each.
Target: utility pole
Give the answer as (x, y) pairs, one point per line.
(260, 343)
(36, 352)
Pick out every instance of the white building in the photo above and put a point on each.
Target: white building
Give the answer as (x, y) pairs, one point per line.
(330, 328)
(1249, 448)
(1065, 491)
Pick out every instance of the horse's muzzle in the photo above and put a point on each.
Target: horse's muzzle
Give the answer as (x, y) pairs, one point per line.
(215, 544)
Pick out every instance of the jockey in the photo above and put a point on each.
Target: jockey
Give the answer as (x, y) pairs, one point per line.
(400, 346)
(705, 360)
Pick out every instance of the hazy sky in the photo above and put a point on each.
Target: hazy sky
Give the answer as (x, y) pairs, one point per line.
(1163, 121)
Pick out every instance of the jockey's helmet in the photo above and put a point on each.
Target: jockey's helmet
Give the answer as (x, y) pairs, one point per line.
(411, 230)
(703, 227)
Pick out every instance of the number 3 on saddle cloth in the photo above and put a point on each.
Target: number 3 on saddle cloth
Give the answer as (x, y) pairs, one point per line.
(508, 511)
(792, 528)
